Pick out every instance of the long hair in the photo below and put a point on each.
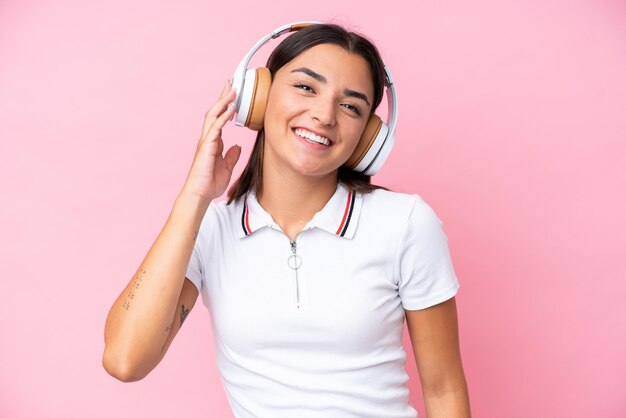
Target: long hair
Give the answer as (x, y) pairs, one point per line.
(294, 45)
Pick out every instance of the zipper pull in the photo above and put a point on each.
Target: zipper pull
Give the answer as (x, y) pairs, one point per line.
(294, 261)
(293, 247)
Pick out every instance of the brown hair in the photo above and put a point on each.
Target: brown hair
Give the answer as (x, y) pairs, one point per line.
(294, 45)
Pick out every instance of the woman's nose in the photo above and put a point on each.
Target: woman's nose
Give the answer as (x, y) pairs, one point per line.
(324, 111)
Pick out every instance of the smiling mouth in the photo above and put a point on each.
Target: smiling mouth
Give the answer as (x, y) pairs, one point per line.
(311, 137)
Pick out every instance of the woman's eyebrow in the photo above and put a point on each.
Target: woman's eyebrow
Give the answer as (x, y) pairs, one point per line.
(356, 94)
(311, 73)
(322, 79)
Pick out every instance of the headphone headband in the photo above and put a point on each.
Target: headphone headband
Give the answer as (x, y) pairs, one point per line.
(243, 65)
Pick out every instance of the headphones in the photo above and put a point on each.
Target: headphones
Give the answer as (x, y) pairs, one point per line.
(252, 87)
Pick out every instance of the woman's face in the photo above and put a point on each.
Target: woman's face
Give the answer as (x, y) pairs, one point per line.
(317, 109)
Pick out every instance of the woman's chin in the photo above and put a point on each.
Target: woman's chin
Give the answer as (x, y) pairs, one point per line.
(308, 169)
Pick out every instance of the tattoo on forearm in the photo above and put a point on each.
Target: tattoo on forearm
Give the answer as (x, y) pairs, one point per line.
(133, 288)
(183, 314)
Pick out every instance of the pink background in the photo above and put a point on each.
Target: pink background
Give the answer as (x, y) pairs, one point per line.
(512, 126)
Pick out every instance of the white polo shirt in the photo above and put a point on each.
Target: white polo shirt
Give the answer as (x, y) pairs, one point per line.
(323, 339)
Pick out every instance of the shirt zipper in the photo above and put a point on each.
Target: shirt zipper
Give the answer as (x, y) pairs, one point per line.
(295, 269)
(297, 261)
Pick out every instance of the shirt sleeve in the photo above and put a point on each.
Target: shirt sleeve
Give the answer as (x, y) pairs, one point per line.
(201, 248)
(425, 271)
(195, 271)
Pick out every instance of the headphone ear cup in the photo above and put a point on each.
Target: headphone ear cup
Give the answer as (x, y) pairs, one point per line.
(258, 101)
(372, 129)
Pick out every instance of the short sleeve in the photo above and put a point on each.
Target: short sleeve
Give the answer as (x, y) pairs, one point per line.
(201, 248)
(195, 271)
(425, 271)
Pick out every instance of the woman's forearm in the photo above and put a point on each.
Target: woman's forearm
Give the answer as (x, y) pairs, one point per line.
(451, 404)
(138, 322)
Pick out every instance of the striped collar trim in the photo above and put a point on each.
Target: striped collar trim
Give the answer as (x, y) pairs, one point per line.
(339, 216)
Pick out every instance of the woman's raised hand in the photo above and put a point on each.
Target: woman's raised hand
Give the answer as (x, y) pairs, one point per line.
(211, 171)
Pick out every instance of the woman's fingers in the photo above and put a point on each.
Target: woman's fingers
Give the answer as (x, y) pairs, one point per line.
(225, 91)
(211, 113)
(218, 109)
(232, 156)
(215, 129)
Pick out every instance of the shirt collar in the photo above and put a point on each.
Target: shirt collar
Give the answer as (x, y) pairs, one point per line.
(339, 216)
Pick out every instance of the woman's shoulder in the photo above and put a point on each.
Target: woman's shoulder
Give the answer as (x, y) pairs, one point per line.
(385, 197)
(224, 206)
(397, 206)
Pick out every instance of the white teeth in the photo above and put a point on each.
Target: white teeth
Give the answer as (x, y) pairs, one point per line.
(311, 137)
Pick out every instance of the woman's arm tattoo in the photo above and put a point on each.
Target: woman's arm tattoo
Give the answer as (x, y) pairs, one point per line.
(133, 287)
(183, 314)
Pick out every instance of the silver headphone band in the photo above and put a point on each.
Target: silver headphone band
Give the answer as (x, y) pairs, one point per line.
(392, 102)
(240, 72)
(273, 35)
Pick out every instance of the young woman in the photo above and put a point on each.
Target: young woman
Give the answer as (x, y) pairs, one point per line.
(308, 270)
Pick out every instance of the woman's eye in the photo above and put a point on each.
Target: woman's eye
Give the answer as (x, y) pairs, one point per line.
(353, 108)
(305, 87)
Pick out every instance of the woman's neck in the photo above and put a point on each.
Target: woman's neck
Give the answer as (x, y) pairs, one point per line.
(292, 199)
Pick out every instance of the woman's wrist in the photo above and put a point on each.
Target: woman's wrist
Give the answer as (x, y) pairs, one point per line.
(189, 204)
